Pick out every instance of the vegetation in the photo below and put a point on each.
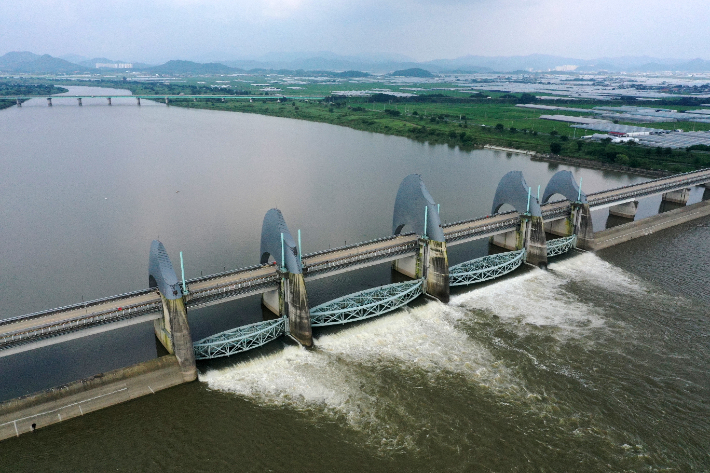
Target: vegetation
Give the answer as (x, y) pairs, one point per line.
(436, 117)
(23, 89)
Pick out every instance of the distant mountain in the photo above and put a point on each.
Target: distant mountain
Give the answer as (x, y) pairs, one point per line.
(350, 74)
(189, 67)
(35, 64)
(327, 63)
(413, 72)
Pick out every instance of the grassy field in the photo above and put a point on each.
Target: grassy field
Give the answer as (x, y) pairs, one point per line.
(467, 126)
(436, 116)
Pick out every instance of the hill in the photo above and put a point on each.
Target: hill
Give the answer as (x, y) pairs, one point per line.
(413, 72)
(189, 67)
(33, 63)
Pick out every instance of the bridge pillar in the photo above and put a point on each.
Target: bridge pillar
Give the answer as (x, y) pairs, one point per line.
(431, 263)
(166, 101)
(677, 197)
(626, 210)
(172, 329)
(78, 99)
(19, 102)
(290, 299)
(49, 101)
(706, 185)
(415, 210)
(583, 226)
(530, 235)
(138, 99)
(109, 100)
(579, 223)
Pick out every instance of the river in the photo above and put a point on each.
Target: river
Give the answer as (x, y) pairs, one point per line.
(600, 363)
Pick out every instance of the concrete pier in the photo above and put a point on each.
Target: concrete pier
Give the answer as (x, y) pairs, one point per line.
(626, 210)
(79, 101)
(530, 235)
(167, 101)
(138, 99)
(677, 197)
(436, 271)
(19, 103)
(109, 100)
(431, 263)
(579, 223)
(299, 315)
(291, 300)
(35, 411)
(49, 101)
(173, 332)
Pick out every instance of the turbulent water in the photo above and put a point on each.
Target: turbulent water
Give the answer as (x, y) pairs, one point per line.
(601, 363)
(572, 368)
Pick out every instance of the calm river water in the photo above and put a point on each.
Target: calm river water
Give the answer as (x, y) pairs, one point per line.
(601, 363)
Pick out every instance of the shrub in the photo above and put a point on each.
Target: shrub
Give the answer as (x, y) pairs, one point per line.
(622, 159)
(555, 148)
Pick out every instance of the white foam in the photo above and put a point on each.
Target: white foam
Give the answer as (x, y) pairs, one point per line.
(340, 377)
(591, 269)
(537, 298)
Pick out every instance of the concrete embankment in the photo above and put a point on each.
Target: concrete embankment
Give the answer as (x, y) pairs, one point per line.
(646, 226)
(18, 416)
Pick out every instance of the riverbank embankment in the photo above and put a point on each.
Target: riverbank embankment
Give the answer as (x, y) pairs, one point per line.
(28, 413)
(632, 230)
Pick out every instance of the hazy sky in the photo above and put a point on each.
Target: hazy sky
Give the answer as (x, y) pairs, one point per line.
(158, 30)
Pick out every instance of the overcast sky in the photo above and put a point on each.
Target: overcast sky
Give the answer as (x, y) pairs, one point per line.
(157, 30)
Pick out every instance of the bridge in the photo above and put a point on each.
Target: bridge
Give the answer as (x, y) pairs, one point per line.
(165, 98)
(417, 247)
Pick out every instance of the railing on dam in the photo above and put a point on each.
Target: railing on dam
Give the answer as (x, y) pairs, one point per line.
(655, 186)
(61, 327)
(257, 279)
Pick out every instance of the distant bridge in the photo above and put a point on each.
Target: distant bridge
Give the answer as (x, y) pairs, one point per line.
(165, 98)
(417, 248)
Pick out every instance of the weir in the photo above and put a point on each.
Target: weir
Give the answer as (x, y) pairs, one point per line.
(418, 248)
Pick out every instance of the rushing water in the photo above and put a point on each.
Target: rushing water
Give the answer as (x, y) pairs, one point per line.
(598, 364)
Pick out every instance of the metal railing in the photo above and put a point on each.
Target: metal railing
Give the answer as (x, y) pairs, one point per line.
(663, 184)
(360, 258)
(239, 288)
(53, 329)
(79, 305)
(508, 224)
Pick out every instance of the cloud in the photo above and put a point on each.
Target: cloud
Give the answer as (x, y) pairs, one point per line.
(424, 29)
